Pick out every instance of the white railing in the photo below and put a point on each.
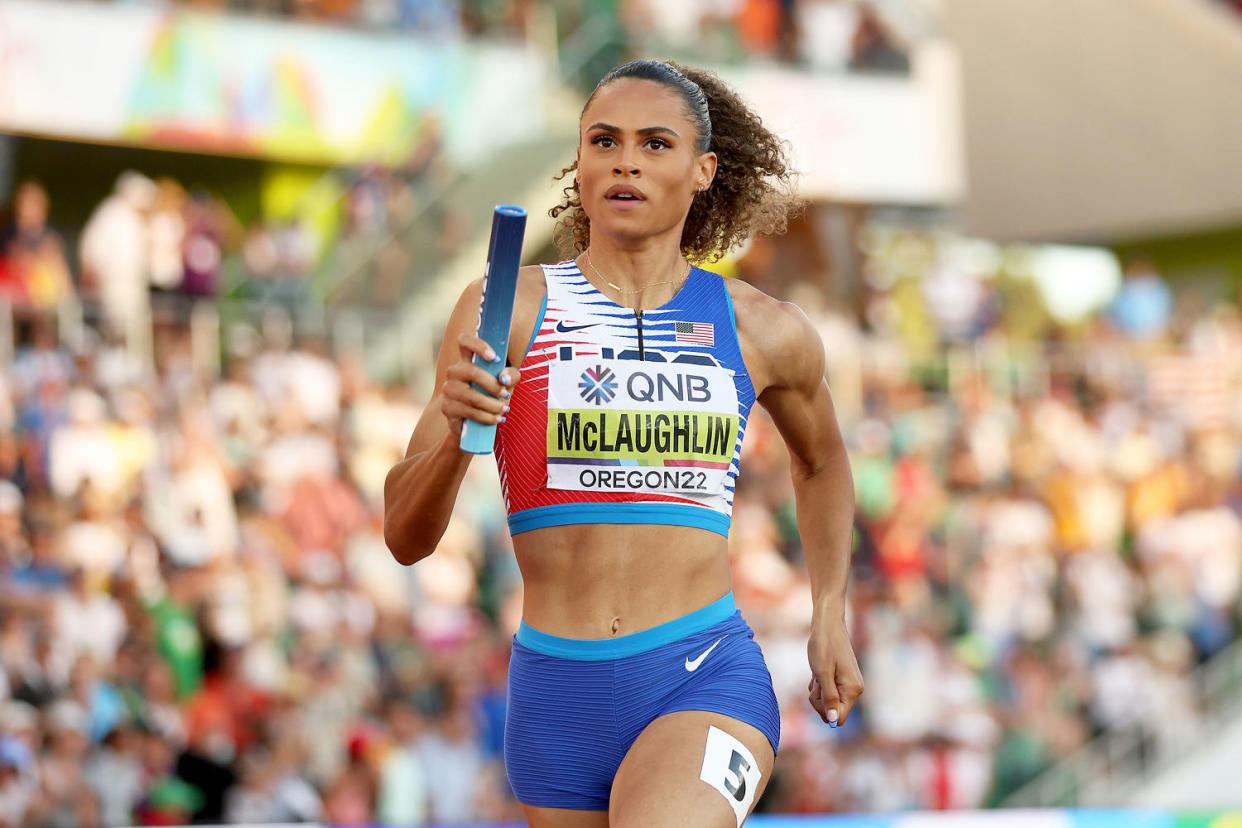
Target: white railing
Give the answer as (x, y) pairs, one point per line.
(1113, 767)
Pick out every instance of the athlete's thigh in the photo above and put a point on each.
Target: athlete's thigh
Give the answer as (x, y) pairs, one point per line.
(538, 817)
(659, 782)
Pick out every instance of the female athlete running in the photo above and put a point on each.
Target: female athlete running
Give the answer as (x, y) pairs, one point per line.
(637, 695)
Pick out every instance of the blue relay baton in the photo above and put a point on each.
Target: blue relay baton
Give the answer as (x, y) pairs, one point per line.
(504, 256)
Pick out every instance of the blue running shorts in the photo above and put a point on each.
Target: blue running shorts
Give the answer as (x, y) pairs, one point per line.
(576, 706)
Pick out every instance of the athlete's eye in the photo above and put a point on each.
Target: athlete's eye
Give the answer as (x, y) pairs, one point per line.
(604, 141)
(658, 143)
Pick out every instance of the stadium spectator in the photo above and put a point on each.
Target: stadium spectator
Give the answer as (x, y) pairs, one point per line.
(34, 275)
(875, 47)
(1144, 305)
(209, 228)
(167, 236)
(114, 251)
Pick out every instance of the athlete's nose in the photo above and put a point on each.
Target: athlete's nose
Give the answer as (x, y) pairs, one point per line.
(625, 165)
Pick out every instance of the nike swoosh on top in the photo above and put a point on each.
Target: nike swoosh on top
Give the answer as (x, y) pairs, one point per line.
(561, 327)
(691, 666)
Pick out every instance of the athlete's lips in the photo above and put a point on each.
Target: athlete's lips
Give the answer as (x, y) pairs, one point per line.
(624, 189)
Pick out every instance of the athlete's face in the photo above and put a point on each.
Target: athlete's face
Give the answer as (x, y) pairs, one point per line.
(637, 166)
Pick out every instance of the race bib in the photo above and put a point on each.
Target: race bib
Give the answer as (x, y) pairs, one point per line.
(628, 426)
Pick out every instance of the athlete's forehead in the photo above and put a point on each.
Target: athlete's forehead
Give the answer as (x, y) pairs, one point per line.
(633, 104)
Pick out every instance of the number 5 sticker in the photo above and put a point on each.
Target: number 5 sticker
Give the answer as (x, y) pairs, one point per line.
(731, 769)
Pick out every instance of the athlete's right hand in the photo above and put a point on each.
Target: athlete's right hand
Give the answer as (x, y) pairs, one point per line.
(461, 402)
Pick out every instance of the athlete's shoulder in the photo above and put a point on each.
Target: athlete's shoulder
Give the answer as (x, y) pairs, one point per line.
(531, 279)
(774, 322)
(748, 298)
(778, 333)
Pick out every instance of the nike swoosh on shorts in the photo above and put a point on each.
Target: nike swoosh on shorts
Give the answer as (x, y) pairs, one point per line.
(691, 666)
(562, 328)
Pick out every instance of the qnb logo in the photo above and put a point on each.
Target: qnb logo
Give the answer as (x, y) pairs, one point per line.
(598, 385)
(645, 387)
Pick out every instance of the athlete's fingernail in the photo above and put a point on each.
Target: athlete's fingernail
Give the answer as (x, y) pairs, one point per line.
(504, 379)
(491, 355)
(832, 718)
(501, 420)
(504, 410)
(505, 394)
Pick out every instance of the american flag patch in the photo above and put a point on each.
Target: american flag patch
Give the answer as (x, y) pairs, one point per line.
(696, 333)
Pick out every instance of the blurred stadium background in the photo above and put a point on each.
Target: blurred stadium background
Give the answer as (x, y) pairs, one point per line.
(232, 230)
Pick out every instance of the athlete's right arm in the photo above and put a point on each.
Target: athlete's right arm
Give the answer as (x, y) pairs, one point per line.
(419, 491)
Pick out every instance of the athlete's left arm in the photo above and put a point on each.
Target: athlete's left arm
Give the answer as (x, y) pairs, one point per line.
(795, 394)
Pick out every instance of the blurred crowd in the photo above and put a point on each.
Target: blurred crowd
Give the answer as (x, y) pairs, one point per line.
(1049, 534)
(199, 619)
(153, 246)
(440, 18)
(835, 35)
(831, 35)
(145, 238)
(861, 35)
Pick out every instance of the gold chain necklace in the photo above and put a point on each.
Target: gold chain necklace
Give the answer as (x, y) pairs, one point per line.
(622, 290)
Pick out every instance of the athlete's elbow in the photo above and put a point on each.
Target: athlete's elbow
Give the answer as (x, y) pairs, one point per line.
(830, 470)
(826, 458)
(806, 471)
(406, 557)
(402, 539)
(404, 551)
(396, 535)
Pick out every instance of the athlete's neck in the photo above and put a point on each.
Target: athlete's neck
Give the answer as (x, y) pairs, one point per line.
(646, 276)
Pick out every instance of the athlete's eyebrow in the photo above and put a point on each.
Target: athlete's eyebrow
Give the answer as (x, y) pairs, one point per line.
(645, 131)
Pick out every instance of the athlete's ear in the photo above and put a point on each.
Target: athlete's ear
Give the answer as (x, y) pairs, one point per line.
(707, 170)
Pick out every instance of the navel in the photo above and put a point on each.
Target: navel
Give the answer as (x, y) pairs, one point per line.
(616, 625)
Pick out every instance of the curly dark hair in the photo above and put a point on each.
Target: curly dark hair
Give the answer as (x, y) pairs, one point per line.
(753, 191)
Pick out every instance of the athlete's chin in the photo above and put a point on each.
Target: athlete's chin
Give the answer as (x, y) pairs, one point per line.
(629, 231)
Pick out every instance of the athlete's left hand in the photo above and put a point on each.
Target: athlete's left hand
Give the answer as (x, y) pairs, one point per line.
(836, 681)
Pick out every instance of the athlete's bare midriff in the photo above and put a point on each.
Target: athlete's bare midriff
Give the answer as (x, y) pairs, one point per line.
(597, 581)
